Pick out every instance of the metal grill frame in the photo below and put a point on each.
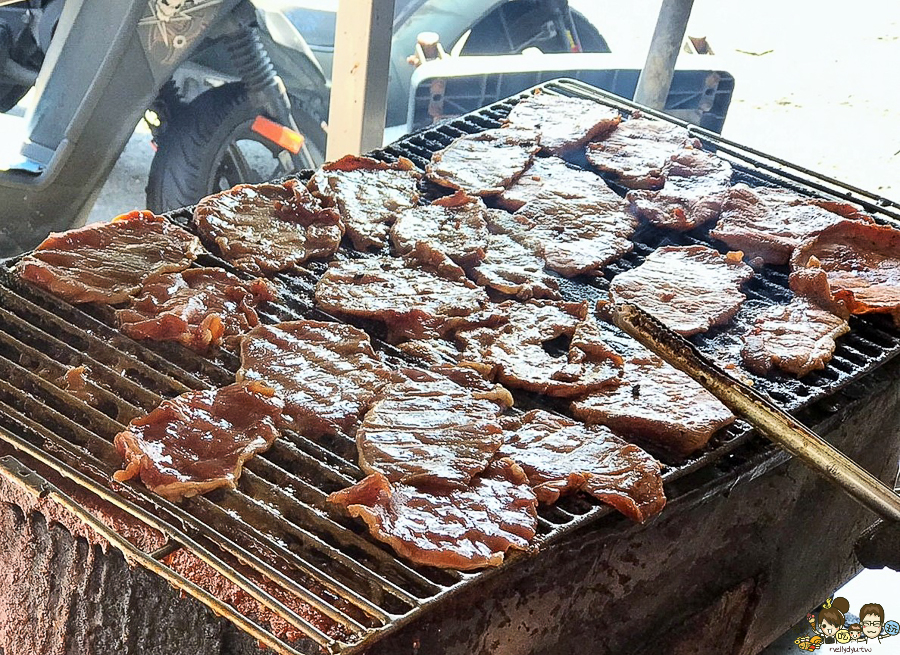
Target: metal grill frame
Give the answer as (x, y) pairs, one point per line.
(183, 528)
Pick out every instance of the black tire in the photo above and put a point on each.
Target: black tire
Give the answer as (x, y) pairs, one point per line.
(204, 149)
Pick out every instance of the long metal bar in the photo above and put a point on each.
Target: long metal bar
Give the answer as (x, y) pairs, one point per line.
(786, 431)
(656, 76)
(28, 479)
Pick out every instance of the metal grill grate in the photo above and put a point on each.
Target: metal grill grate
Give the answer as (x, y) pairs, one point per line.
(276, 526)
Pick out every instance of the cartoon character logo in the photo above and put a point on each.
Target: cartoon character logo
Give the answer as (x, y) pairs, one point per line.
(829, 626)
(831, 618)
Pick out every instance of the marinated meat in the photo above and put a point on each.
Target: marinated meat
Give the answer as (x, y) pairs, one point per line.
(575, 236)
(451, 227)
(655, 402)
(266, 228)
(200, 440)
(537, 350)
(797, 338)
(199, 307)
(106, 262)
(514, 270)
(850, 268)
(564, 123)
(485, 163)
(368, 194)
(635, 152)
(412, 301)
(464, 529)
(689, 288)
(695, 188)
(769, 223)
(561, 456)
(426, 428)
(551, 177)
(326, 373)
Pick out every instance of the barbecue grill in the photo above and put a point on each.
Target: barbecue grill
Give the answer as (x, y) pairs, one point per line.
(748, 540)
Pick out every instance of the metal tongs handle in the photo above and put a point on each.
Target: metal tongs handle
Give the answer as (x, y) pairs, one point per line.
(768, 419)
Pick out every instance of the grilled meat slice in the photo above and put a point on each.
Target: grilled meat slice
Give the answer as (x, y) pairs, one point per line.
(266, 228)
(467, 528)
(850, 268)
(198, 308)
(654, 402)
(551, 177)
(368, 194)
(200, 440)
(561, 456)
(769, 223)
(797, 338)
(425, 427)
(514, 269)
(485, 163)
(106, 262)
(689, 288)
(576, 236)
(412, 301)
(695, 188)
(538, 350)
(326, 373)
(635, 152)
(564, 123)
(452, 227)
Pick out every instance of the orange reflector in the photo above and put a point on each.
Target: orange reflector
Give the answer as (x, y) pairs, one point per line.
(283, 136)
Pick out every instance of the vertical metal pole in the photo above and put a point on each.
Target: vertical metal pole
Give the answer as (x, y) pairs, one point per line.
(656, 76)
(362, 52)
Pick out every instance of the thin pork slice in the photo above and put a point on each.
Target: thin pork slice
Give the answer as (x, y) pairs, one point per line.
(326, 373)
(514, 269)
(368, 194)
(484, 164)
(107, 262)
(689, 288)
(551, 177)
(768, 223)
(797, 338)
(412, 301)
(453, 227)
(575, 236)
(654, 402)
(564, 123)
(696, 186)
(561, 456)
(537, 350)
(850, 268)
(200, 440)
(634, 153)
(267, 228)
(458, 528)
(198, 308)
(425, 427)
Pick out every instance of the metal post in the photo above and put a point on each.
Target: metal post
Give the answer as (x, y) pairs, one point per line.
(362, 52)
(656, 76)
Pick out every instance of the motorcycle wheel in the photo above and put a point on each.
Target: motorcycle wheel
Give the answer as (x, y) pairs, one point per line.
(209, 147)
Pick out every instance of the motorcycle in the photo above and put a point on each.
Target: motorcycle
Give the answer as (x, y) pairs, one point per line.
(82, 115)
